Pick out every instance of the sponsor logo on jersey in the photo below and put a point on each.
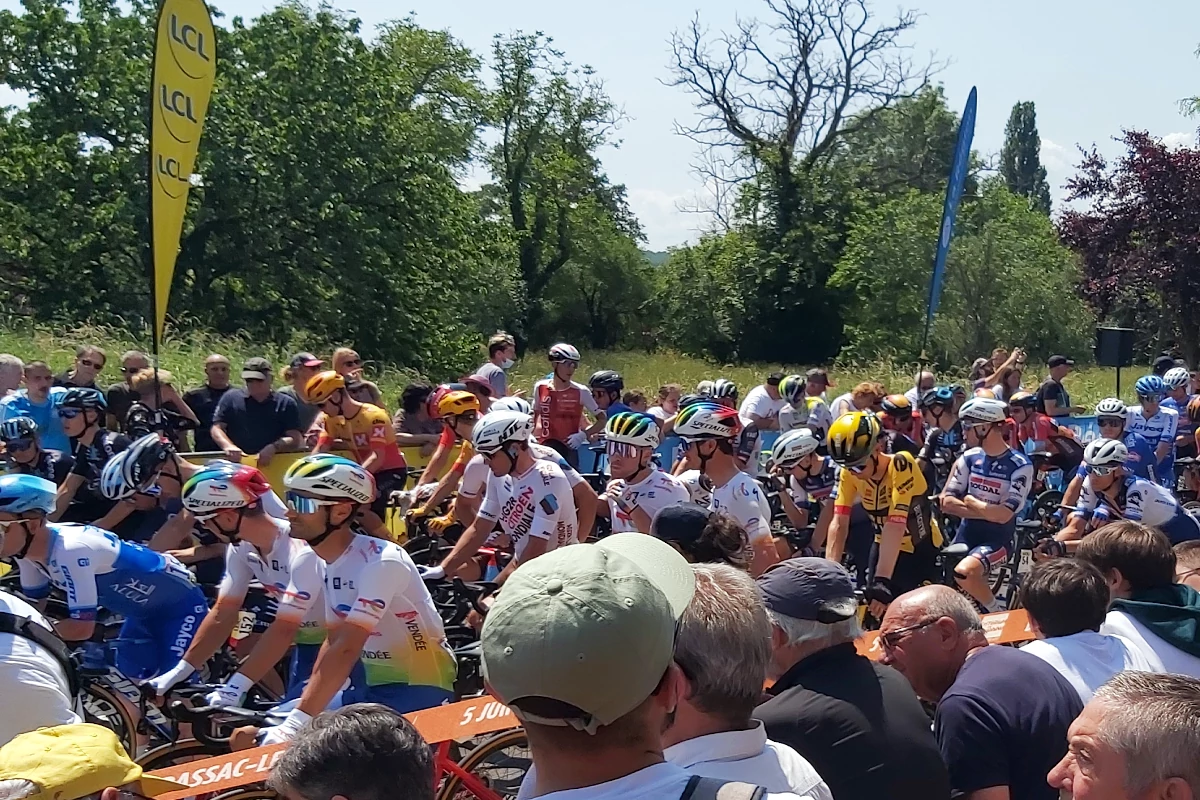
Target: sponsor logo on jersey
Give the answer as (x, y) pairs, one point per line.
(378, 431)
(988, 488)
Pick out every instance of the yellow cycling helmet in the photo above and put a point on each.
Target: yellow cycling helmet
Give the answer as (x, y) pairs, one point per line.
(457, 402)
(852, 438)
(320, 387)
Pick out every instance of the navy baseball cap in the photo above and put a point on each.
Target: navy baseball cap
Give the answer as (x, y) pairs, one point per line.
(815, 589)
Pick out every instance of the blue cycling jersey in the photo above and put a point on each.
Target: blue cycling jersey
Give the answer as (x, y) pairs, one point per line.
(1185, 427)
(1141, 461)
(95, 568)
(1138, 500)
(1159, 428)
(1003, 480)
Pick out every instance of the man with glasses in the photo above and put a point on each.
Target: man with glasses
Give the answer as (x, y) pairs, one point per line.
(79, 498)
(37, 401)
(1157, 423)
(120, 396)
(638, 489)
(944, 443)
(256, 420)
(1002, 715)
(25, 455)
(1111, 414)
(89, 363)
(204, 400)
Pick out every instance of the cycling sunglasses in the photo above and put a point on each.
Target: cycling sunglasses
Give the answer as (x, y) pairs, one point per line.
(1110, 422)
(621, 450)
(69, 413)
(4, 524)
(1102, 472)
(305, 505)
(1149, 398)
(18, 445)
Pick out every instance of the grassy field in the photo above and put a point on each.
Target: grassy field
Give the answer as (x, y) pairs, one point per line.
(184, 358)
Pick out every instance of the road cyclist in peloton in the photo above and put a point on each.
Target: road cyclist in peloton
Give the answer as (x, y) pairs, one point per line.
(79, 498)
(1158, 424)
(638, 489)
(803, 409)
(1111, 417)
(944, 442)
(904, 429)
(25, 454)
(1176, 383)
(987, 488)
(559, 404)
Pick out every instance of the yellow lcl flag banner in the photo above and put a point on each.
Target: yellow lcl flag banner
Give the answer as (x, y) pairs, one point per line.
(185, 64)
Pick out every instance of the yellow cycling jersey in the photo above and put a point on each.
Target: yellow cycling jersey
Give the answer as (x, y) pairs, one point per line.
(899, 496)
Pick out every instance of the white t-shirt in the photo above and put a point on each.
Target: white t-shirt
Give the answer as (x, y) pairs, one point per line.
(35, 688)
(659, 413)
(914, 396)
(695, 488)
(842, 404)
(742, 499)
(663, 781)
(1162, 655)
(1088, 659)
(652, 494)
(537, 504)
(759, 403)
(749, 757)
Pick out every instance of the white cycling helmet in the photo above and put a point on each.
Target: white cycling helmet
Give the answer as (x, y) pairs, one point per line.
(793, 446)
(330, 477)
(564, 352)
(705, 388)
(983, 409)
(632, 427)
(1177, 378)
(498, 428)
(1105, 453)
(1112, 407)
(112, 479)
(518, 404)
(707, 420)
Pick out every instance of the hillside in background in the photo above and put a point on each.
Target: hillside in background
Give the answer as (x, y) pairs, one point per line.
(655, 257)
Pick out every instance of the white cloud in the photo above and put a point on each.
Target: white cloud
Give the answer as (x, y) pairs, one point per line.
(1174, 141)
(662, 221)
(1055, 157)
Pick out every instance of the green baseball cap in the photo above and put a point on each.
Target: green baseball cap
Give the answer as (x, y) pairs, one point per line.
(590, 625)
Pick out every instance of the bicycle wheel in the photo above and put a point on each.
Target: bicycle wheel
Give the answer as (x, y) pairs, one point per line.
(500, 762)
(102, 707)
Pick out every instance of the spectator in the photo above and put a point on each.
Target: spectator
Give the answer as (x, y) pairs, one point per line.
(1139, 737)
(636, 401)
(763, 404)
(89, 363)
(11, 370)
(256, 420)
(1187, 563)
(1160, 617)
(414, 427)
(72, 762)
(816, 382)
(119, 395)
(702, 536)
(980, 368)
(1008, 383)
(1052, 397)
(1002, 715)
(856, 721)
(925, 382)
(364, 751)
(141, 417)
(580, 646)
(502, 350)
(482, 389)
(34, 673)
(203, 401)
(349, 365)
(1066, 600)
(37, 401)
(723, 647)
(299, 371)
(24, 453)
(861, 398)
(666, 405)
(1165, 363)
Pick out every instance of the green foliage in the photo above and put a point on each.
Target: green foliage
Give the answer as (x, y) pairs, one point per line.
(1020, 159)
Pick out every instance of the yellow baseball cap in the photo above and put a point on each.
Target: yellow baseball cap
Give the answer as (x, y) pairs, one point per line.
(72, 761)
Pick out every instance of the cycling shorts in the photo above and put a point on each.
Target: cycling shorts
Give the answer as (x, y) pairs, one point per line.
(990, 557)
(300, 667)
(913, 570)
(148, 647)
(990, 535)
(400, 697)
(386, 482)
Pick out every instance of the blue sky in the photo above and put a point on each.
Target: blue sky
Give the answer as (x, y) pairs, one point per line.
(1092, 66)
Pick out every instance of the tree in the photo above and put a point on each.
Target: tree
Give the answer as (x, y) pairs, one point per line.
(1020, 158)
(1139, 238)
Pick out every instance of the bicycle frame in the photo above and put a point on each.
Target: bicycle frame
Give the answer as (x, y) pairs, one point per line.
(147, 713)
(444, 766)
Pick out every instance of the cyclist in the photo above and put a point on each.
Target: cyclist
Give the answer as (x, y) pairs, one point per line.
(987, 488)
(944, 443)
(1157, 423)
(227, 499)
(708, 430)
(559, 403)
(458, 410)
(1110, 492)
(1111, 415)
(368, 433)
(82, 412)
(802, 409)
(156, 595)
(1039, 433)
(606, 387)
(377, 609)
(893, 492)
(638, 489)
(1176, 382)
(529, 497)
(25, 455)
(904, 429)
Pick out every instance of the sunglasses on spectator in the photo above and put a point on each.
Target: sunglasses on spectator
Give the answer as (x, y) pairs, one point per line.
(621, 450)
(1110, 422)
(18, 445)
(891, 639)
(131, 370)
(305, 505)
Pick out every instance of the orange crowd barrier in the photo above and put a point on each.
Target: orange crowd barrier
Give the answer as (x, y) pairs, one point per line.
(1003, 627)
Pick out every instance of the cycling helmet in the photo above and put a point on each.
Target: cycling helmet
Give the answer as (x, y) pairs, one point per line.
(983, 409)
(21, 493)
(957, 390)
(1112, 407)
(498, 428)
(1105, 453)
(142, 460)
(707, 420)
(435, 397)
(632, 427)
(18, 428)
(985, 393)
(519, 404)
(937, 396)
(1176, 378)
(320, 387)
(607, 380)
(112, 479)
(456, 402)
(82, 398)
(792, 389)
(1149, 385)
(219, 488)
(724, 389)
(704, 388)
(853, 436)
(1023, 400)
(563, 352)
(897, 405)
(793, 446)
(330, 477)
(692, 399)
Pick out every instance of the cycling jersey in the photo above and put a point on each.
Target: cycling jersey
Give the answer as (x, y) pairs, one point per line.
(1158, 429)
(813, 488)
(816, 417)
(899, 496)
(558, 413)
(898, 442)
(90, 459)
(51, 465)
(698, 487)
(652, 494)
(292, 574)
(1036, 430)
(1186, 427)
(475, 476)
(1003, 480)
(946, 446)
(537, 504)
(742, 499)
(369, 431)
(1138, 500)
(1141, 461)
(745, 447)
(375, 586)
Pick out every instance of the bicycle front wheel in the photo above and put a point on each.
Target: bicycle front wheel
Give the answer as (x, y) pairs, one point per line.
(499, 762)
(102, 707)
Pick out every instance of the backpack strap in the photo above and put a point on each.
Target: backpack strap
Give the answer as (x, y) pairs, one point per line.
(28, 629)
(699, 788)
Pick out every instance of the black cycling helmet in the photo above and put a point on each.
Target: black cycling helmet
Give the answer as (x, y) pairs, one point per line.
(18, 428)
(607, 380)
(83, 398)
(937, 396)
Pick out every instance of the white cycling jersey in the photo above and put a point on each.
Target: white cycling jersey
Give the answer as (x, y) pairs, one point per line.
(537, 504)
(742, 499)
(1138, 500)
(700, 494)
(290, 572)
(376, 586)
(1158, 429)
(476, 473)
(816, 417)
(652, 494)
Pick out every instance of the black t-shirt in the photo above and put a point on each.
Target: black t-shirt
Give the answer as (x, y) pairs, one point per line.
(1004, 723)
(252, 425)
(203, 403)
(65, 380)
(1052, 390)
(860, 725)
(90, 459)
(120, 397)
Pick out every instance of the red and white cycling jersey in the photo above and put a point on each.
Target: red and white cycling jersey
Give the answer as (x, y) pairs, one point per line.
(558, 413)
